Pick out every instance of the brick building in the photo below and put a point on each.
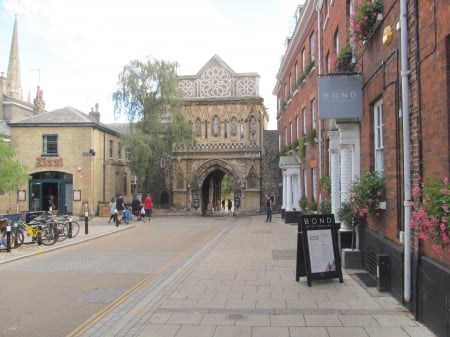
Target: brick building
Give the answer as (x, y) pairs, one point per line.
(399, 128)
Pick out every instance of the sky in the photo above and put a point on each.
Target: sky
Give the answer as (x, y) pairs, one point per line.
(75, 49)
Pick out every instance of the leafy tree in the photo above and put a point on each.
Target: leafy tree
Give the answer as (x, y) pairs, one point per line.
(148, 95)
(227, 187)
(12, 174)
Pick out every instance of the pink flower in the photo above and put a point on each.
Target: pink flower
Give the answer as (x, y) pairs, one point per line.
(416, 191)
(445, 180)
(436, 249)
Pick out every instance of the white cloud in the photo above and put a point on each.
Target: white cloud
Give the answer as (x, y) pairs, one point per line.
(80, 46)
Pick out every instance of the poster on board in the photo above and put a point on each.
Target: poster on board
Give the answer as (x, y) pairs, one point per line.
(320, 255)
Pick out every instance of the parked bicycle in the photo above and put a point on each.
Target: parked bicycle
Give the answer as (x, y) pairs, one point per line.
(40, 232)
(16, 235)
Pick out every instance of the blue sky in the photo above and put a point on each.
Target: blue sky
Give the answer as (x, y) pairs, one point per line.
(75, 49)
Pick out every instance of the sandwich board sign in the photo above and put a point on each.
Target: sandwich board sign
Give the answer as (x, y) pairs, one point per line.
(317, 248)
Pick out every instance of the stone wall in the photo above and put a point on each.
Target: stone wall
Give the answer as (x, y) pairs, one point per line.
(270, 171)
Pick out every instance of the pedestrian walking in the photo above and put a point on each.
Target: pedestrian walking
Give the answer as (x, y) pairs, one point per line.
(136, 208)
(230, 204)
(112, 210)
(268, 209)
(148, 205)
(120, 206)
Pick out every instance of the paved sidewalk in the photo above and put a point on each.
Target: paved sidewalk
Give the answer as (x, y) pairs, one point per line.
(97, 227)
(241, 283)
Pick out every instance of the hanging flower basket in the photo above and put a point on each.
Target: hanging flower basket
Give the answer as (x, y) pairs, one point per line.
(343, 63)
(364, 19)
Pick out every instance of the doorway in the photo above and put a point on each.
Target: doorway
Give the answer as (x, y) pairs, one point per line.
(51, 190)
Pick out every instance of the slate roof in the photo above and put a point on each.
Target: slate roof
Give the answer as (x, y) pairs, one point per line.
(67, 116)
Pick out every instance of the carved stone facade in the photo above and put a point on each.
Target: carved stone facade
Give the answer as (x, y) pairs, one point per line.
(229, 118)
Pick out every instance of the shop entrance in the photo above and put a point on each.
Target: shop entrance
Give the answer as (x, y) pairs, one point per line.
(51, 190)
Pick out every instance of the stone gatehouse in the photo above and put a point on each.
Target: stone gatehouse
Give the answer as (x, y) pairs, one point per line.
(228, 117)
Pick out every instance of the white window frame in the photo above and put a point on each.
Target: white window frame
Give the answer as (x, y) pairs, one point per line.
(378, 136)
(304, 121)
(312, 46)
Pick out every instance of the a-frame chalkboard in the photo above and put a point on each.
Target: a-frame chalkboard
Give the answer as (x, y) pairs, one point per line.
(317, 248)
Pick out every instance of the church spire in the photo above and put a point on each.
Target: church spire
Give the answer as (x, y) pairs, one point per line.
(14, 88)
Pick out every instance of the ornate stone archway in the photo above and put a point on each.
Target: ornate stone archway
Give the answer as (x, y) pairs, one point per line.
(228, 118)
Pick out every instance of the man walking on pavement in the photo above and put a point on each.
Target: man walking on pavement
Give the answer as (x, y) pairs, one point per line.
(268, 209)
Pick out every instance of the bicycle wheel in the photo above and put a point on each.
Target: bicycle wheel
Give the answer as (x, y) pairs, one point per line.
(75, 228)
(62, 230)
(49, 235)
(18, 237)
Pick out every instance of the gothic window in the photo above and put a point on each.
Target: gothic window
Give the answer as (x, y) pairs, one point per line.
(234, 127)
(198, 127)
(225, 126)
(253, 126)
(206, 129)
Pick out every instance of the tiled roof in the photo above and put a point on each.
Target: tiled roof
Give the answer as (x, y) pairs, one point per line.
(67, 116)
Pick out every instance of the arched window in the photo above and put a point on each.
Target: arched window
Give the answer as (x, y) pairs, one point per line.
(198, 127)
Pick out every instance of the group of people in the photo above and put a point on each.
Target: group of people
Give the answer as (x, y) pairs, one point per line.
(229, 204)
(121, 212)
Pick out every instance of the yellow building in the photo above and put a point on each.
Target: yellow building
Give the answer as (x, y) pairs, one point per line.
(75, 163)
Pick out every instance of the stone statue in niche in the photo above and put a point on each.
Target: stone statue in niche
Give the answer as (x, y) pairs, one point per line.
(216, 126)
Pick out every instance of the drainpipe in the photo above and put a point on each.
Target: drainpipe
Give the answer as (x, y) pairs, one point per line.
(406, 151)
(319, 70)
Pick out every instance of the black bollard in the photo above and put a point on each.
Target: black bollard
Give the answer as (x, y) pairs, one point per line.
(86, 226)
(70, 228)
(8, 238)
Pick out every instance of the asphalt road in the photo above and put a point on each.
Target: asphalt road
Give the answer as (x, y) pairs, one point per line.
(52, 294)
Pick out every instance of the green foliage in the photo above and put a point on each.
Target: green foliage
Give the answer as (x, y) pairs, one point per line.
(325, 206)
(148, 95)
(311, 206)
(343, 61)
(325, 184)
(301, 148)
(366, 193)
(12, 174)
(303, 203)
(310, 136)
(227, 187)
(345, 213)
(362, 21)
(146, 89)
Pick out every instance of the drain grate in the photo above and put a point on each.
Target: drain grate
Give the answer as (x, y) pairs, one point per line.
(102, 296)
